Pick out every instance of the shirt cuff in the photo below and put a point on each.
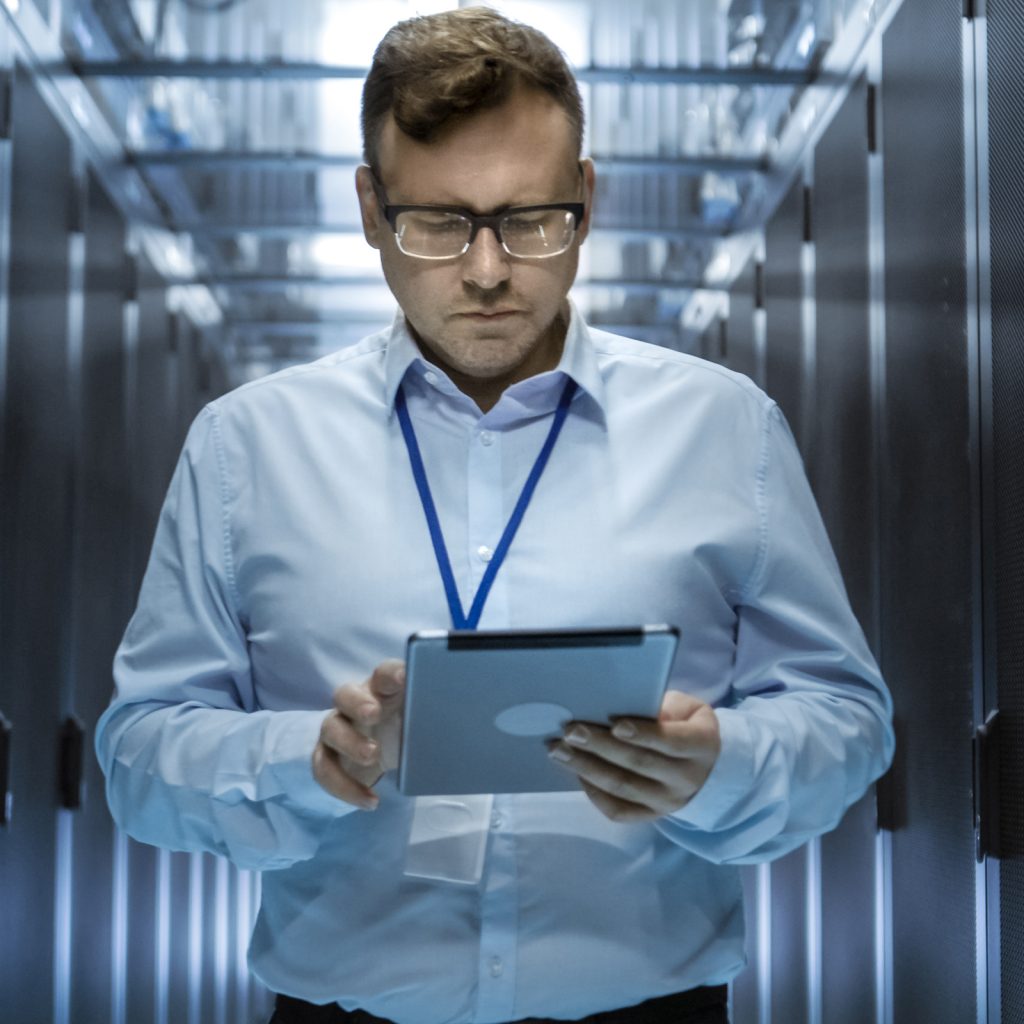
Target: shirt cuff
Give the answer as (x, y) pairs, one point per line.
(731, 778)
(296, 735)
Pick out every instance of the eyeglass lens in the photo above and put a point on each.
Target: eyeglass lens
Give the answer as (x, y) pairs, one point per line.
(442, 234)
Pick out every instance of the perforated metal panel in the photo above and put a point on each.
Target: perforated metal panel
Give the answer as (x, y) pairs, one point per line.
(927, 601)
(1006, 183)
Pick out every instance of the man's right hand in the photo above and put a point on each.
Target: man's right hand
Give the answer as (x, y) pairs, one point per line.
(361, 739)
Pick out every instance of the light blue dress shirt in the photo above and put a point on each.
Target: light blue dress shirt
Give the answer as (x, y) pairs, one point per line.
(292, 556)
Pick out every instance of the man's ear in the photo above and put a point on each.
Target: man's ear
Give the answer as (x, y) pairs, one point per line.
(587, 167)
(369, 208)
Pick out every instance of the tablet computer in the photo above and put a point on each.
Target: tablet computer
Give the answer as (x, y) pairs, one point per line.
(479, 705)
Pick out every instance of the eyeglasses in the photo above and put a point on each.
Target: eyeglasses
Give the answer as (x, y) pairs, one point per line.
(444, 232)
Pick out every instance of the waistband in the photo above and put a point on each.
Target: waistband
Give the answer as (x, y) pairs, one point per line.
(660, 1010)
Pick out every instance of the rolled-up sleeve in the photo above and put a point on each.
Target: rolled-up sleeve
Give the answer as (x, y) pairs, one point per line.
(191, 761)
(808, 726)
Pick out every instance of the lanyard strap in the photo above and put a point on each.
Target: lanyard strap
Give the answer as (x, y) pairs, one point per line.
(459, 619)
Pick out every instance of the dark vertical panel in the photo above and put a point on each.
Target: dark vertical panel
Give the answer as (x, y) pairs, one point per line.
(102, 597)
(848, 918)
(740, 354)
(211, 912)
(840, 465)
(177, 984)
(1006, 189)
(783, 301)
(155, 447)
(712, 343)
(214, 379)
(927, 601)
(784, 381)
(35, 545)
(842, 471)
(157, 442)
(191, 372)
(789, 938)
(744, 991)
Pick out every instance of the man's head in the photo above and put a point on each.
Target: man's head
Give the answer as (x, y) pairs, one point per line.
(429, 70)
(467, 109)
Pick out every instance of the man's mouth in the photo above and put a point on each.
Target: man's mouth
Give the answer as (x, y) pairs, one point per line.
(490, 315)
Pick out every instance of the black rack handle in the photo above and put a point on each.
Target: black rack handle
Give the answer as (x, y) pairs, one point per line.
(6, 797)
(72, 761)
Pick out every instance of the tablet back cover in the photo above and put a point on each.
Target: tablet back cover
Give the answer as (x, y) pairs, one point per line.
(480, 705)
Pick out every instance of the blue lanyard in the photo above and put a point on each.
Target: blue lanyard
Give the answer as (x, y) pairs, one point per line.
(459, 619)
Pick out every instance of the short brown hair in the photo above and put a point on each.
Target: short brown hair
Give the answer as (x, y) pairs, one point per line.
(429, 69)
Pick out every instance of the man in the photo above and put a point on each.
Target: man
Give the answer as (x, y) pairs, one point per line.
(293, 558)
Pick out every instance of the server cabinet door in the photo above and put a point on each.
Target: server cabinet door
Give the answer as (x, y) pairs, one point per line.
(36, 484)
(154, 449)
(1005, 412)
(102, 597)
(844, 473)
(927, 579)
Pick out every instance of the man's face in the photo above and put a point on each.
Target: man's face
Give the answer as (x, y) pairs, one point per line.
(487, 318)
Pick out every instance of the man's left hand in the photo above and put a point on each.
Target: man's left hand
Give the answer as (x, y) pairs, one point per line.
(640, 769)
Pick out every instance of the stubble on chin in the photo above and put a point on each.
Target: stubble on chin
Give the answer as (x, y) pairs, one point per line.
(469, 352)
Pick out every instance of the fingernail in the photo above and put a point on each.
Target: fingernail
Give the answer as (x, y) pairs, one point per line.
(367, 753)
(370, 803)
(560, 754)
(624, 730)
(578, 734)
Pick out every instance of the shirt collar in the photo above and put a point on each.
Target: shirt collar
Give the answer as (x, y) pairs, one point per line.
(578, 361)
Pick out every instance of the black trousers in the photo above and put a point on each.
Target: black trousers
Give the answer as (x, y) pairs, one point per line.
(696, 1006)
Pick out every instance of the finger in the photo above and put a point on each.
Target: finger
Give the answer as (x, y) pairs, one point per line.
(337, 733)
(357, 704)
(615, 780)
(635, 758)
(388, 680)
(679, 706)
(329, 774)
(695, 736)
(614, 808)
(366, 703)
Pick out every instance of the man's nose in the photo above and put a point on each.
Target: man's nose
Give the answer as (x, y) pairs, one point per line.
(485, 264)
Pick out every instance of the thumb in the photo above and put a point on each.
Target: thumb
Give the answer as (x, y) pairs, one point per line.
(679, 707)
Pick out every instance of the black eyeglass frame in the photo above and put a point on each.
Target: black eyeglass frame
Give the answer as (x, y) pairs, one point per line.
(476, 221)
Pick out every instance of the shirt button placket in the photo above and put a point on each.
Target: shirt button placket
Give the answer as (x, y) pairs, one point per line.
(499, 915)
(486, 509)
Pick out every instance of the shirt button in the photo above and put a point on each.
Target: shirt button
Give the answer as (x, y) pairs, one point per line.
(484, 553)
(497, 967)
(430, 377)
(486, 438)
(497, 820)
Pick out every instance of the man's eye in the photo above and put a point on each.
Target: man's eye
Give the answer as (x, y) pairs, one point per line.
(527, 222)
(437, 224)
